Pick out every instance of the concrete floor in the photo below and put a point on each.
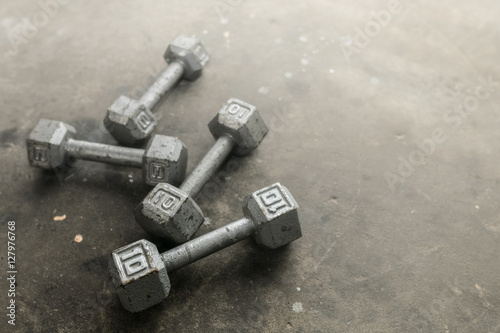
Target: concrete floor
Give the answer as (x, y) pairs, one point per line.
(398, 184)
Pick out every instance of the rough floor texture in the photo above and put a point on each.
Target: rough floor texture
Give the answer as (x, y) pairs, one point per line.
(384, 125)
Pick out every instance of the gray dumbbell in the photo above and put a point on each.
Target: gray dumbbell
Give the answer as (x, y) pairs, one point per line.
(130, 121)
(140, 272)
(51, 146)
(170, 213)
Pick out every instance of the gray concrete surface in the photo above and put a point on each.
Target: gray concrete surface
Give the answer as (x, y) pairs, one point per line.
(417, 253)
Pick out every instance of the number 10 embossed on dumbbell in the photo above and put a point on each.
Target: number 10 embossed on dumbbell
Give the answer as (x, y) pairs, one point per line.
(51, 146)
(170, 213)
(130, 121)
(140, 272)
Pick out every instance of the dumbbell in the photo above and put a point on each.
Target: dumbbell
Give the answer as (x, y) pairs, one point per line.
(130, 121)
(140, 273)
(170, 213)
(51, 146)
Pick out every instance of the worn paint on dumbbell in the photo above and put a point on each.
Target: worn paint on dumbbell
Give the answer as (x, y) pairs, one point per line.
(170, 213)
(140, 272)
(130, 121)
(51, 145)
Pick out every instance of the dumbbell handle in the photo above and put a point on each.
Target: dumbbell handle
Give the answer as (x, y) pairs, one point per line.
(163, 83)
(208, 165)
(207, 244)
(98, 152)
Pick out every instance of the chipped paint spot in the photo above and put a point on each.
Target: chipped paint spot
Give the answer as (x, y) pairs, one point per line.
(78, 238)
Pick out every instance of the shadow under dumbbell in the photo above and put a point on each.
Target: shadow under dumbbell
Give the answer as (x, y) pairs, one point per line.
(230, 270)
(97, 177)
(238, 272)
(120, 320)
(44, 181)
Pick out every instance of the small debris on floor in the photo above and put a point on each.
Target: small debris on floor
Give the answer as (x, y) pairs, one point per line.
(60, 218)
(297, 307)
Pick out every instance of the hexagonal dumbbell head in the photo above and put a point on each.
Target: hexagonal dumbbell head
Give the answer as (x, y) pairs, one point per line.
(242, 122)
(169, 213)
(140, 276)
(129, 121)
(46, 144)
(164, 160)
(274, 212)
(191, 53)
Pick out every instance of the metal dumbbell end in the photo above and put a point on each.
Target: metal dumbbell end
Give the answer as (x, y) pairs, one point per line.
(130, 121)
(140, 272)
(51, 146)
(170, 213)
